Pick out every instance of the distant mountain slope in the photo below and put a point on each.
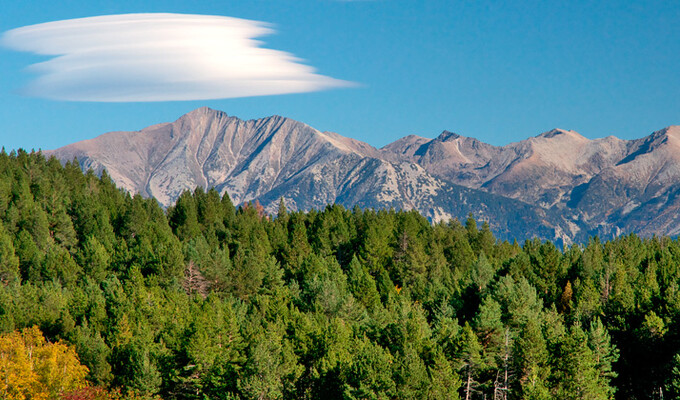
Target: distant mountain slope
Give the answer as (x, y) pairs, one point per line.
(210, 149)
(558, 185)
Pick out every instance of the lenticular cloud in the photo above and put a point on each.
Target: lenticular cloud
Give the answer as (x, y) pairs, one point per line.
(159, 57)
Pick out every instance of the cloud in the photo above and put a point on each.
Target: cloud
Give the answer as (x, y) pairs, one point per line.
(159, 57)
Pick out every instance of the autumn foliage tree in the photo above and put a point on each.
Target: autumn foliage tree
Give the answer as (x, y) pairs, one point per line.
(33, 368)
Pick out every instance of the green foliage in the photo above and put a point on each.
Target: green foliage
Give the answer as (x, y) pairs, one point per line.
(209, 301)
(9, 262)
(369, 376)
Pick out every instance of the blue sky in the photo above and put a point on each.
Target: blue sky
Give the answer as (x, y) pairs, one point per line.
(499, 71)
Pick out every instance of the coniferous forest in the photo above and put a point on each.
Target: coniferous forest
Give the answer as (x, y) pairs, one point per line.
(104, 295)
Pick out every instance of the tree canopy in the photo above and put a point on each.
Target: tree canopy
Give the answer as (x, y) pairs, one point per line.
(206, 300)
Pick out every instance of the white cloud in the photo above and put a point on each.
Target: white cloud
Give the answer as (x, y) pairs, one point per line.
(159, 57)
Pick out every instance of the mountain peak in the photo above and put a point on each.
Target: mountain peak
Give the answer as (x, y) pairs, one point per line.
(204, 111)
(447, 135)
(553, 133)
(201, 114)
(413, 138)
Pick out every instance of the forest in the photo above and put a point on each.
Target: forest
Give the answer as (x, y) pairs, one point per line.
(104, 295)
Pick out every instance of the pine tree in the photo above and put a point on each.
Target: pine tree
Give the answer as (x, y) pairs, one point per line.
(604, 352)
(369, 375)
(362, 285)
(470, 357)
(481, 272)
(183, 217)
(576, 369)
(9, 262)
(532, 359)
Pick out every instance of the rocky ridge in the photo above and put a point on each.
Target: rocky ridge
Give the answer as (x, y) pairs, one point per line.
(558, 185)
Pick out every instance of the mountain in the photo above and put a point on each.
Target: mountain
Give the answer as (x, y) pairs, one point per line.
(539, 170)
(558, 185)
(638, 193)
(606, 186)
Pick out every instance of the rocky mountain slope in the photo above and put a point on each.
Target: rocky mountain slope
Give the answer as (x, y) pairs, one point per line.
(557, 185)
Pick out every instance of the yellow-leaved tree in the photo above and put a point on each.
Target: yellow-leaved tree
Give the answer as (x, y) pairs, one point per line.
(32, 368)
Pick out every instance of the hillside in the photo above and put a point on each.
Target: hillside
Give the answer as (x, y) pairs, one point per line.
(206, 300)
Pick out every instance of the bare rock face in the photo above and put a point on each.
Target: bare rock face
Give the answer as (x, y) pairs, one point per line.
(558, 185)
(639, 192)
(605, 186)
(265, 159)
(539, 170)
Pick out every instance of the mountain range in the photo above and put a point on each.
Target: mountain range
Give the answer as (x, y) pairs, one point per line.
(558, 185)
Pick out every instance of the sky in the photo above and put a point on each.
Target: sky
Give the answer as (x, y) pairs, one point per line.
(373, 70)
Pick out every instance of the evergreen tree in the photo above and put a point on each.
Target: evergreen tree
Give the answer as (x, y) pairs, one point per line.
(362, 285)
(576, 369)
(369, 376)
(9, 262)
(471, 361)
(604, 352)
(532, 359)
